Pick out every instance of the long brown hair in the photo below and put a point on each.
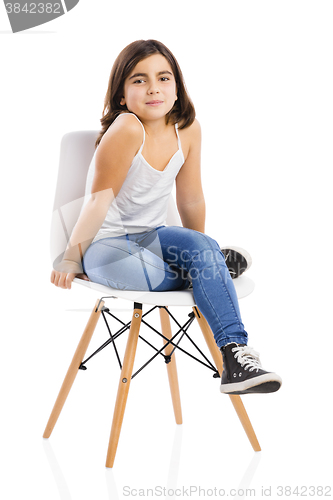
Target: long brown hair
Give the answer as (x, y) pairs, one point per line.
(183, 111)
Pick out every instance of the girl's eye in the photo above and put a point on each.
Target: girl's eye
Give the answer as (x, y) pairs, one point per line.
(138, 81)
(164, 79)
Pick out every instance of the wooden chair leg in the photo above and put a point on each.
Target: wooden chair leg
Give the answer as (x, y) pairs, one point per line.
(235, 399)
(73, 368)
(171, 367)
(124, 384)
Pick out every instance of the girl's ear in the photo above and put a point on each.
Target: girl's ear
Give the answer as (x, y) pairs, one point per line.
(122, 101)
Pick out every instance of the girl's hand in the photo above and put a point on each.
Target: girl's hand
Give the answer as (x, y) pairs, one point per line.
(65, 272)
(64, 280)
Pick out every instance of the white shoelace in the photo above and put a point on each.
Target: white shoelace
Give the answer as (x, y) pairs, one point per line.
(247, 356)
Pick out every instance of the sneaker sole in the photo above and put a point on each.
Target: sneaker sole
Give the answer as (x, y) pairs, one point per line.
(242, 251)
(269, 382)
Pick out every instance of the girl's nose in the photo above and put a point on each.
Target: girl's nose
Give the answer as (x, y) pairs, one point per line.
(153, 89)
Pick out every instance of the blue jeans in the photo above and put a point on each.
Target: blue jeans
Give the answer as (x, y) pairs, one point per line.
(169, 258)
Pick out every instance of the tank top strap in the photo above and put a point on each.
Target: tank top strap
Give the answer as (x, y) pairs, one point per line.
(144, 132)
(143, 129)
(179, 142)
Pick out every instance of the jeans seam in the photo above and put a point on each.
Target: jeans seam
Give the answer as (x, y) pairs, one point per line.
(118, 282)
(226, 289)
(211, 306)
(133, 255)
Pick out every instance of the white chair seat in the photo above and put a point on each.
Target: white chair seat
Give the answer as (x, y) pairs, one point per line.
(244, 286)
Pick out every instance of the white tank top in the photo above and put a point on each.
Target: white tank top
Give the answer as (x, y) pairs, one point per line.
(142, 202)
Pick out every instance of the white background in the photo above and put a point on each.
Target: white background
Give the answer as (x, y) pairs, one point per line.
(260, 75)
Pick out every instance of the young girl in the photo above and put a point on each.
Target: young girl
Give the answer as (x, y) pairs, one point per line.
(149, 139)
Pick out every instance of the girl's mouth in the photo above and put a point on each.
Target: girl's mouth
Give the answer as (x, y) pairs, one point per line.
(154, 103)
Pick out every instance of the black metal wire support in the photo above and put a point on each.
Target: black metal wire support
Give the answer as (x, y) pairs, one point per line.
(182, 332)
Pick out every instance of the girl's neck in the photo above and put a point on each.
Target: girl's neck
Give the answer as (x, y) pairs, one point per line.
(155, 128)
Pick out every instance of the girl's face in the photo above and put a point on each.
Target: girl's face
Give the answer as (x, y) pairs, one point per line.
(150, 89)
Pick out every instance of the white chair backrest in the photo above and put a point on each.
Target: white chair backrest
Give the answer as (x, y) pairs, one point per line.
(76, 152)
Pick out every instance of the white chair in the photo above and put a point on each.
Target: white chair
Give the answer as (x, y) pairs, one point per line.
(77, 149)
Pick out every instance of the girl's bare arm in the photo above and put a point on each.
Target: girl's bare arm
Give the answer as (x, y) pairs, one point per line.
(189, 194)
(113, 160)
